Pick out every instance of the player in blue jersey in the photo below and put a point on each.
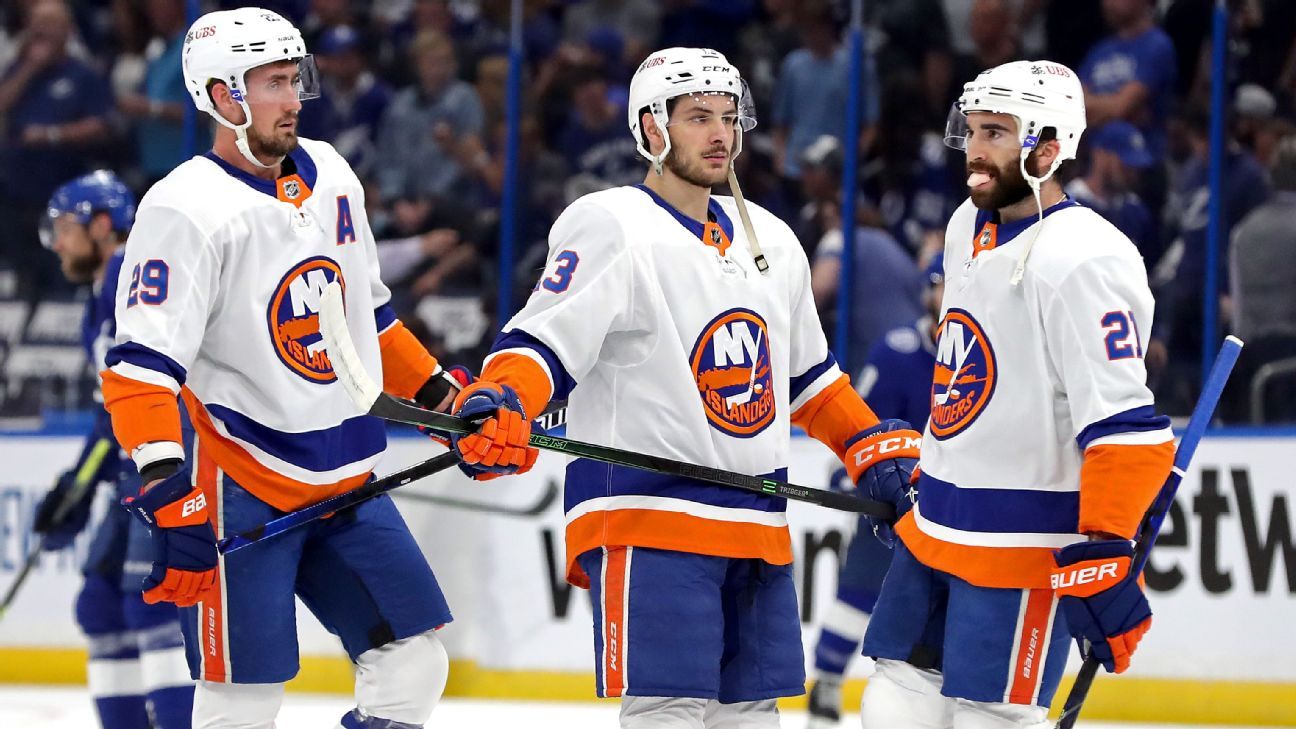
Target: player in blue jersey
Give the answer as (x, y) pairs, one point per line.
(137, 673)
(896, 383)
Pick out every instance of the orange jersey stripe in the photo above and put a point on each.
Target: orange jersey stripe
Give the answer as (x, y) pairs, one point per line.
(674, 531)
(274, 488)
(1009, 567)
(141, 412)
(527, 378)
(406, 362)
(834, 415)
(1118, 483)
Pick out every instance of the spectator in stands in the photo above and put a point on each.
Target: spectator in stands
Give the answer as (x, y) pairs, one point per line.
(352, 99)
(1130, 75)
(431, 131)
(886, 293)
(812, 89)
(995, 39)
(1117, 154)
(1178, 278)
(157, 107)
(54, 110)
(598, 151)
(1263, 268)
(915, 38)
(636, 21)
(821, 170)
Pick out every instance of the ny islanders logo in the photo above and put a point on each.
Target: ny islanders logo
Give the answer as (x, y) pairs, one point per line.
(965, 374)
(293, 318)
(731, 365)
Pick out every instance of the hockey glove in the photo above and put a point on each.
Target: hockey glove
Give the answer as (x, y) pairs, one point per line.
(881, 461)
(59, 534)
(500, 445)
(1104, 604)
(448, 383)
(184, 545)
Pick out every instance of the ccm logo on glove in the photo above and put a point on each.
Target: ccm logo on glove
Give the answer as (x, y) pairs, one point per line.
(906, 446)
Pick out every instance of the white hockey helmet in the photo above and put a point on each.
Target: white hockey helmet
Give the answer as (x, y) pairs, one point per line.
(224, 45)
(674, 72)
(1039, 94)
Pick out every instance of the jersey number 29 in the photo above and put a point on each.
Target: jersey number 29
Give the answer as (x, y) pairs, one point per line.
(150, 281)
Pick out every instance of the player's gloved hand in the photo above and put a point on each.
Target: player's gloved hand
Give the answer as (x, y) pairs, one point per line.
(184, 544)
(58, 533)
(881, 462)
(1103, 602)
(500, 445)
(447, 384)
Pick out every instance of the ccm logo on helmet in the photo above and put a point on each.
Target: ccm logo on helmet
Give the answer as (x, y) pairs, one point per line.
(1084, 576)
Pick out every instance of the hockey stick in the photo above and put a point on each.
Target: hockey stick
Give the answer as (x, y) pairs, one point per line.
(368, 395)
(294, 519)
(81, 483)
(1151, 524)
(539, 507)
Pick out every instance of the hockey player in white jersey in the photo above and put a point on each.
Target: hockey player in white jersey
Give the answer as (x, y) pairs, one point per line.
(217, 304)
(671, 331)
(1043, 449)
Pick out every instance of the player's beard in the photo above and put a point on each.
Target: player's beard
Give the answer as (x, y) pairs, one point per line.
(1008, 186)
(81, 269)
(692, 171)
(275, 145)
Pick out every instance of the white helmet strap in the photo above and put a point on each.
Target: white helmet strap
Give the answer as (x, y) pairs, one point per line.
(240, 130)
(1035, 184)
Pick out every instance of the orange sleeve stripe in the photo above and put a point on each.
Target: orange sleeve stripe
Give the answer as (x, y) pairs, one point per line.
(527, 378)
(834, 415)
(1118, 483)
(406, 362)
(141, 412)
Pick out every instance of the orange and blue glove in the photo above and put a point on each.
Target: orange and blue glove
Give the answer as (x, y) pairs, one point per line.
(500, 447)
(1104, 604)
(882, 461)
(184, 544)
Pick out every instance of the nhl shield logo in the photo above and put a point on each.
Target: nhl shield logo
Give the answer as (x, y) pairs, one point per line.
(965, 374)
(732, 368)
(293, 318)
(291, 189)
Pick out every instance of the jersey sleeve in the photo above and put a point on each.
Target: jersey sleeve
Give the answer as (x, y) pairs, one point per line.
(822, 400)
(585, 294)
(1095, 325)
(164, 296)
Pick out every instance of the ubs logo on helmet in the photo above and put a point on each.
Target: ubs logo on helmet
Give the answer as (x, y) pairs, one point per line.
(965, 374)
(293, 318)
(731, 366)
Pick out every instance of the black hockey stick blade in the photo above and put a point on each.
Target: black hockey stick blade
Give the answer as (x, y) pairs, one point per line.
(541, 505)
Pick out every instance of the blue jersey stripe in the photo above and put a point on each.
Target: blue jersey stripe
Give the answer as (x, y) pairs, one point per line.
(150, 359)
(807, 378)
(563, 382)
(1135, 420)
(998, 510)
(384, 316)
(591, 479)
(355, 439)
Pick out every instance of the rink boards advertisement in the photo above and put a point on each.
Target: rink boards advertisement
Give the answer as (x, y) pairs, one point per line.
(1222, 582)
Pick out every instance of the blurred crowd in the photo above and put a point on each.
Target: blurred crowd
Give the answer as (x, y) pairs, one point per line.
(414, 96)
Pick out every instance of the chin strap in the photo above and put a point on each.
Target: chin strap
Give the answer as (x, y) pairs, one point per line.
(246, 150)
(761, 264)
(1035, 182)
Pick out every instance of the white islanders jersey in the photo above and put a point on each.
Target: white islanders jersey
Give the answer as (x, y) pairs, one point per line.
(666, 340)
(217, 302)
(1032, 381)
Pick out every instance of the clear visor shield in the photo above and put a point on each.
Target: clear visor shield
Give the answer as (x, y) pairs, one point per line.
(985, 127)
(282, 83)
(55, 223)
(704, 108)
(956, 128)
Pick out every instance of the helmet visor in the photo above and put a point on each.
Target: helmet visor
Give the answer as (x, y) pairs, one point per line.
(956, 128)
(704, 108)
(282, 83)
(56, 222)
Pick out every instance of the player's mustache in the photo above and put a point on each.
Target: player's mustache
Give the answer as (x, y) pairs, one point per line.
(716, 150)
(982, 169)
